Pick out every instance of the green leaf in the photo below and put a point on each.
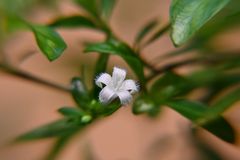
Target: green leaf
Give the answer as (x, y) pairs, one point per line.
(89, 5)
(49, 41)
(122, 50)
(221, 128)
(196, 112)
(11, 23)
(55, 129)
(188, 16)
(80, 93)
(145, 30)
(170, 85)
(107, 8)
(70, 112)
(191, 110)
(73, 22)
(226, 19)
(145, 104)
(223, 103)
(100, 67)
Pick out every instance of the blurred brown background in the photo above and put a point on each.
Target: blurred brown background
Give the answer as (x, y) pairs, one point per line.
(123, 136)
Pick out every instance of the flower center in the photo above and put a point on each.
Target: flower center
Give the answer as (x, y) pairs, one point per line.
(117, 85)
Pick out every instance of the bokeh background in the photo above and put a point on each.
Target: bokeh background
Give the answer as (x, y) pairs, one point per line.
(24, 105)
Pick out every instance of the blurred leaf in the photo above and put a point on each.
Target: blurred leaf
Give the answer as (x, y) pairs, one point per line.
(221, 128)
(104, 110)
(80, 93)
(107, 7)
(100, 67)
(188, 16)
(170, 85)
(145, 30)
(227, 18)
(191, 110)
(55, 129)
(224, 103)
(220, 84)
(145, 104)
(196, 112)
(205, 76)
(89, 5)
(10, 23)
(121, 49)
(49, 41)
(58, 147)
(73, 22)
(70, 112)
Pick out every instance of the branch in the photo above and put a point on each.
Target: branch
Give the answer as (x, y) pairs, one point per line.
(213, 59)
(32, 78)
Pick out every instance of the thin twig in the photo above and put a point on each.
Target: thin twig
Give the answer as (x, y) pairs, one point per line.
(208, 60)
(32, 78)
(172, 66)
(157, 35)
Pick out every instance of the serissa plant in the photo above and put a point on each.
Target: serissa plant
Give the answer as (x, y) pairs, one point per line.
(192, 24)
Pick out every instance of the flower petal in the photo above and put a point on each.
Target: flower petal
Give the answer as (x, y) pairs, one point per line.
(125, 97)
(129, 85)
(118, 76)
(104, 78)
(106, 95)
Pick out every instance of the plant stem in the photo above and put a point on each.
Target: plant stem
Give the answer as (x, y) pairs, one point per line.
(30, 77)
(172, 66)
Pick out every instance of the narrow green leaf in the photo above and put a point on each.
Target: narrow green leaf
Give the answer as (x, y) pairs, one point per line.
(80, 93)
(220, 84)
(224, 103)
(55, 129)
(145, 30)
(221, 128)
(191, 110)
(107, 7)
(49, 41)
(89, 5)
(196, 112)
(73, 22)
(70, 112)
(122, 50)
(100, 67)
(188, 16)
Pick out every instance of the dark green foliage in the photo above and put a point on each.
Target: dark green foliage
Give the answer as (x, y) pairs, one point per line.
(58, 128)
(188, 16)
(121, 49)
(196, 112)
(73, 22)
(80, 93)
(49, 41)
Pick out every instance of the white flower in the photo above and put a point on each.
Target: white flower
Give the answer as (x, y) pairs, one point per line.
(116, 86)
